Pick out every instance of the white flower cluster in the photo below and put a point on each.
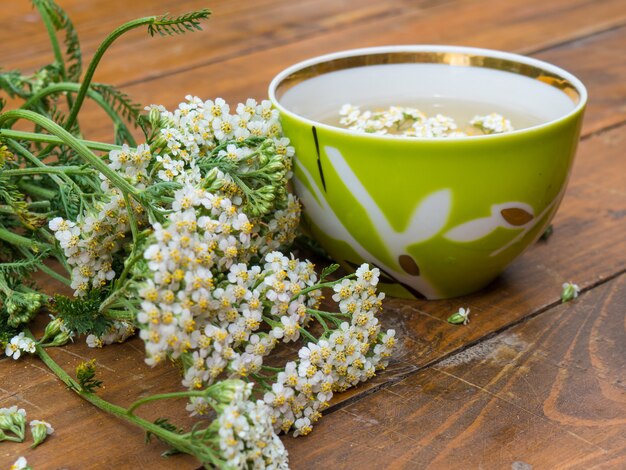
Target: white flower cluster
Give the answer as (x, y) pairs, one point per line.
(436, 126)
(205, 234)
(90, 243)
(411, 122)
(246, 435)
(118, 332)
(18, 345)
(196, 127)
(132, 163)
(192, 131)
(394, 120)
(245, 300)
(13, 420)
(492, 123)
(341, 359)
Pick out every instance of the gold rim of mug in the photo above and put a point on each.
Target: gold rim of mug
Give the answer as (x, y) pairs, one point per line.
(418, 57)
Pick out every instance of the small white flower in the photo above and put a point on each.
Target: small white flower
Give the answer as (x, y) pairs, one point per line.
(93, 341)
(493, 123)
(570, 291)
(303, 427)
(20, 464)
(60, 224)
(217, 108)
(19, 344)
(13, 348)
(40, 430)
(462, 316)
(48, 427)
(27, 344)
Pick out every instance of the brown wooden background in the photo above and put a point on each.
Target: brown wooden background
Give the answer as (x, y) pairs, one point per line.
(529, 383)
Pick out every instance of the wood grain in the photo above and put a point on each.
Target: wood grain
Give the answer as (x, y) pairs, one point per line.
(241, 76)
(602, 71)
(489, 411)
(86, 438)
(234, 29)
(549, 393)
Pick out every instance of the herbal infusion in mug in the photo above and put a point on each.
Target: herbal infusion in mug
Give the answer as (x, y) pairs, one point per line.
(431, 118)
(426, 100)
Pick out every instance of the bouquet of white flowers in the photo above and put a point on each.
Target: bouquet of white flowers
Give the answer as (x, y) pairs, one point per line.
(184, 237)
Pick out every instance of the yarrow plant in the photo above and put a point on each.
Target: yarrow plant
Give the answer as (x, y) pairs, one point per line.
(183, 236)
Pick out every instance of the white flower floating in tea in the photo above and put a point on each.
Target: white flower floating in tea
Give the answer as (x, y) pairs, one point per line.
(411, 122)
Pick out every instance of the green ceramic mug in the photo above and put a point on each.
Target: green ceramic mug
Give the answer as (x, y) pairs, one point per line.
(440, 217)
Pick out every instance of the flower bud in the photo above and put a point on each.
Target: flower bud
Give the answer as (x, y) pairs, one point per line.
(227, 390)
(460, 317)
(13, 419)
(61, 339)
(154, 116)
(53, 328)
(570, 292)
(5, 421)
(40, 430)
(34, 302)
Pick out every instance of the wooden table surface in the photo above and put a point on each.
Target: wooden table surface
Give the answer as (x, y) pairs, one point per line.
(529, 383)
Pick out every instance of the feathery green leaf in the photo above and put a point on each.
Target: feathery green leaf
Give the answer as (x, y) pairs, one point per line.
(62, 22)
(189, 22)
(25, 266)
(81, 314)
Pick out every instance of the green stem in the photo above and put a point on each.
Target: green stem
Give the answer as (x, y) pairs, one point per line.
(327, 314)
(171, 438)
(128, 265)
(118, 287)
(134, 227)
(75, 87)
(18, 240)
(45, 138)
(321, 321)
(34, 160)
(55, 275)
(75, 144)
(320, 286)
(56, 49)
(39, 205)
(35, 190)
(304, 332)
(260, 380)
(61, 179)
(5, 209)
(80, 98)
(57, 170)
(166, 396)
(119, 315)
